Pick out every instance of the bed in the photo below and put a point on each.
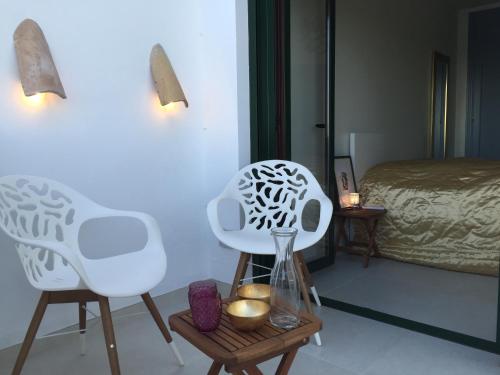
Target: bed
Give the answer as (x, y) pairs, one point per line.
(443, 214)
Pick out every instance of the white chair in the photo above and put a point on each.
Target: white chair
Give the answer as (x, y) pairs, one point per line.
(272, 193)
(44, 217)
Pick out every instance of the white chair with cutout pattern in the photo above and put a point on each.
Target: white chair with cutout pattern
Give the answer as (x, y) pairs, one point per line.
(272, 193)
(44, 217)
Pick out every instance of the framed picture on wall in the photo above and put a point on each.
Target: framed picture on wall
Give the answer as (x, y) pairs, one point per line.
(344, 178)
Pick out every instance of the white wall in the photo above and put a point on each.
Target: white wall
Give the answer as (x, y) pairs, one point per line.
(111, 140)
(383, 65)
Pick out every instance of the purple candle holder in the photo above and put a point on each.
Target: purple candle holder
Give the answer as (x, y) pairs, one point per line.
(206, 305)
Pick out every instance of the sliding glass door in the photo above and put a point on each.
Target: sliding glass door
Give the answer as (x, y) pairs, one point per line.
(307, 77)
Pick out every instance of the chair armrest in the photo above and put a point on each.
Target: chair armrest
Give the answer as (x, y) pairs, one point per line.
(325, 216)
(153, 231)
(213, 217)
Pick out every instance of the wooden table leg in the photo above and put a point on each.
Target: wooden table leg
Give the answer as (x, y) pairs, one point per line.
(371, 226)
(254, 370)
(374, 243)
(240, 272)
(286, 362)
(215, 368)
(341, 234)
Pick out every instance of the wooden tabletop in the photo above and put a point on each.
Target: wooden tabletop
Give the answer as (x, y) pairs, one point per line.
(360, 213)
(234, 348)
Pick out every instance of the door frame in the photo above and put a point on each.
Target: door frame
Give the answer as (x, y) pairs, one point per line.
(473, 91)
(265, 123)
(269, 47)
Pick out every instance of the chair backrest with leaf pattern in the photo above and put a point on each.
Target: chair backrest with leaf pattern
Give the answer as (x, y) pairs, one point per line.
(273, 193)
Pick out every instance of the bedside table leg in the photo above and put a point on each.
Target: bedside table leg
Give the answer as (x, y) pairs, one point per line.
(341, 233)
(371, 227)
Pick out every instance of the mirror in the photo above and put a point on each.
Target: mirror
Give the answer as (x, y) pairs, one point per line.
(434, 255)
(439, 105)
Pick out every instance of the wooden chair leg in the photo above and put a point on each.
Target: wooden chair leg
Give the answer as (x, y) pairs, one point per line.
(109, 335)
(305, 270)
(286, 362)
(308, 278)
(305, 292)
(31, 333)
(148, 301)
(82, 326)
(303, 287)
(240, 272)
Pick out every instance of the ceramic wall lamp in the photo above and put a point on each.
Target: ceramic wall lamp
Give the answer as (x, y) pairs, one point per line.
(37, 70)
(166, 83)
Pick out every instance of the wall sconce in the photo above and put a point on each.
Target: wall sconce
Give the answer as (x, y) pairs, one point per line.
(166, 83)
(36, 66)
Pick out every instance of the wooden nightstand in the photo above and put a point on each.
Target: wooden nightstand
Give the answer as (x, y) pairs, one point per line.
(370, 219)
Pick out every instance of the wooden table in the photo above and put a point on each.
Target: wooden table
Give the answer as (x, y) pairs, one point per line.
(241, 352)
(370, 218)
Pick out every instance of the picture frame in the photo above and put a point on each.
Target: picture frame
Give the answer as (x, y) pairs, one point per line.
(344, 179)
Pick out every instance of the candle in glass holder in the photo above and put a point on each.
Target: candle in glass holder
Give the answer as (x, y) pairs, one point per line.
(354, 199)
(345, 200)
(206, 305)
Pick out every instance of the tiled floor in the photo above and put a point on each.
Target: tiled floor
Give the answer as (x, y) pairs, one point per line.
(461, 302)
(351, 345)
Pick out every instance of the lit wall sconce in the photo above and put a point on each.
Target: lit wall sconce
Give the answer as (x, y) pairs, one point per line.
(36, 67)
(166, 83)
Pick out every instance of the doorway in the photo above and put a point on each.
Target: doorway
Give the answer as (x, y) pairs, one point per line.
(484, 84)
(292, 97)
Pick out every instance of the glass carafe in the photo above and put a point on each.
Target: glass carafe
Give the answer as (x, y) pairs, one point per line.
(285, 293)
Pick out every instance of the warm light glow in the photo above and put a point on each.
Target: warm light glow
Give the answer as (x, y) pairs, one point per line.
(32, 105)
(35, 100)
(172, 107)
(30, 102)
(345, 199)
(354, 199)
(171, 110)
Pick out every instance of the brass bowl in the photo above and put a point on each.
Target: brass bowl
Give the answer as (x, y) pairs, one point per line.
(248, 314)
(261, 292)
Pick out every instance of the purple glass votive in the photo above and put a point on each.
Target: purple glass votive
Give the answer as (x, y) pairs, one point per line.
(206, 305)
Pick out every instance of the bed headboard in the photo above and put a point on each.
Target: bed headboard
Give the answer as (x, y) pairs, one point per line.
(370, 149)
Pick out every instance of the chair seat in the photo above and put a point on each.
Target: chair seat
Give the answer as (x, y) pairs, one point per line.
(125, 275)
(261, 242)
